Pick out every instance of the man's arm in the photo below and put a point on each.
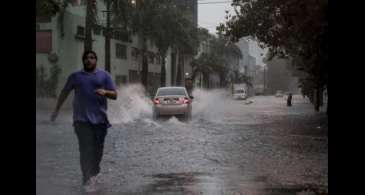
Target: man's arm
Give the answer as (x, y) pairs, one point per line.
(111, 94)
(60, 101)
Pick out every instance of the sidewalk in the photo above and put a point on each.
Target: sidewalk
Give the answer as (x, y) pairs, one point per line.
(45, 107)
(50, 103)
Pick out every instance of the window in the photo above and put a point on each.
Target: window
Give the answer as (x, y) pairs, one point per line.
(151, 58)
(134, 76)
(158, 59)
(121, 51)
(121, 36)
(43, 19)
(80, 32)
(134, 53)
(97, 29)
(44, 41)
(171, 91)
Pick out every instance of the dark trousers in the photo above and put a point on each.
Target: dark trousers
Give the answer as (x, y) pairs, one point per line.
(91, 144)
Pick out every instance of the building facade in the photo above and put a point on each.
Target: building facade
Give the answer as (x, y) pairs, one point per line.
(61, 44)
(248, 62)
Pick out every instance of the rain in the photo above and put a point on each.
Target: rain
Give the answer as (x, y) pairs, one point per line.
(259, 112)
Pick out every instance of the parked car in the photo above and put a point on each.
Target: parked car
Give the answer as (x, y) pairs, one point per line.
(240, 94)
(279, 93)
(172, 101)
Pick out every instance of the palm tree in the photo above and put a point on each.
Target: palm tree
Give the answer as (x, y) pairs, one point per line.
(218, 58)
(148, 19)
(187, 43)
(202, 66)
(142, 24)
(164, 38)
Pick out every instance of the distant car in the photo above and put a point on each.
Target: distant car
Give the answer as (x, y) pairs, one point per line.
(240, 94)
(279, 93)
(172, 101)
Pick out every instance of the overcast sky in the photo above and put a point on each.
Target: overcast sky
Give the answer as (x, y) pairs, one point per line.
(212, 12)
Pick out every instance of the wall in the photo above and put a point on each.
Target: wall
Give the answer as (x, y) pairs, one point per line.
(69, 49)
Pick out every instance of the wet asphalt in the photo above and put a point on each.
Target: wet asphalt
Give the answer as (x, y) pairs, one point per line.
(261, 147)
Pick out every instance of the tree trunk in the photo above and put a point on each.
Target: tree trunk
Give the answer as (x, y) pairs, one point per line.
(327, 102)
(88, 42)
(173, 69)
(144, 71)
(144, 76)
(107, 38)
(206, 81)
(179, 66)
(193, 74)
(221, 80)
(318, 100)
(201, 80)
(163, 71)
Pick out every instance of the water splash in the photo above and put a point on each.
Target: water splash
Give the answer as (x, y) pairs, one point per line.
(210, 105)
(132, 104)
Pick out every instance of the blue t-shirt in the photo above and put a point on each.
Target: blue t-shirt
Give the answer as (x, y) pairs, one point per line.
(88, 106)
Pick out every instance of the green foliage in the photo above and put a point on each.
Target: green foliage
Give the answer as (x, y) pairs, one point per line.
(217, 59)
(46, 87)
(47, 7)
(224, 56)
(158, 21)
(242, 78)
(290, 29)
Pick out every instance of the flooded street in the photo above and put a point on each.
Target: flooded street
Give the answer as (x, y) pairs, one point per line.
(231, 146)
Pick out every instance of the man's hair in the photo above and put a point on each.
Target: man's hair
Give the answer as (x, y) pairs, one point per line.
(84, 56)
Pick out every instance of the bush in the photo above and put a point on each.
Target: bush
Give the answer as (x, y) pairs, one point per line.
(46, 87)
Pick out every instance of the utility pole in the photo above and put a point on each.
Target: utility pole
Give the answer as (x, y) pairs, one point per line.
(107, 37)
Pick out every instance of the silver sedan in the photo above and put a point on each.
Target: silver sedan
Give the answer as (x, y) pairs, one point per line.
(172, 101)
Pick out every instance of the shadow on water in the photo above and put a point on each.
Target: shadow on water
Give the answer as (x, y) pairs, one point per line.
(297, 190)
(175, 183)
(204, 183)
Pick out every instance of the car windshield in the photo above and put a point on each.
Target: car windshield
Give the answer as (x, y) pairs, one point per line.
(171, 91)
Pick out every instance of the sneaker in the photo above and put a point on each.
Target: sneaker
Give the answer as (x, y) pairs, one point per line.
(91, 185)
(98, 178)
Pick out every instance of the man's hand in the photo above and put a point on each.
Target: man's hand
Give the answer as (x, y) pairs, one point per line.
(107, 93)
(54, 116)
(101, 92)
